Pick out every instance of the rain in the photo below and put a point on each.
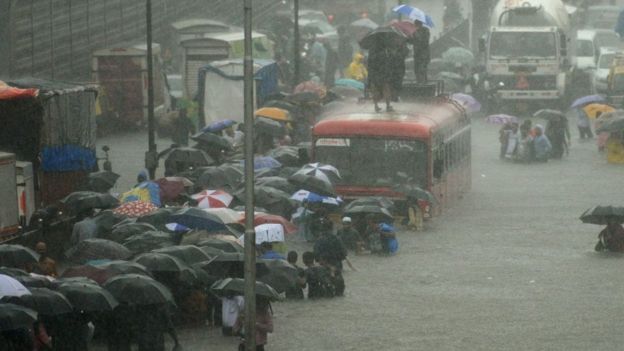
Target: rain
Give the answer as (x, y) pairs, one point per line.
(311, 175)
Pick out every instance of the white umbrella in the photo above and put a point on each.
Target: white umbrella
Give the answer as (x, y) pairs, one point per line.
(269, 232)
(9, 286)
(321, 171)
(213, 199)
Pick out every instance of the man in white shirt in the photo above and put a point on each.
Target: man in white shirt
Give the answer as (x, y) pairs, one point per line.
(231, 307)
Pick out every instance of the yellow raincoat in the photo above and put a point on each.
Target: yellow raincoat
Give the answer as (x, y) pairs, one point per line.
(615, 150)
(357, 70)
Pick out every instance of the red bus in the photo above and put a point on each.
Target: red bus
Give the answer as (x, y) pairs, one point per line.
(424, 144)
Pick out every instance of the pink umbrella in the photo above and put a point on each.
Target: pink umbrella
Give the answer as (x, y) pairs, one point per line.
(213, 199)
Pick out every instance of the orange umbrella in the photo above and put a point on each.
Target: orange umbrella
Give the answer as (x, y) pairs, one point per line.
(592, 109)
(274, 113)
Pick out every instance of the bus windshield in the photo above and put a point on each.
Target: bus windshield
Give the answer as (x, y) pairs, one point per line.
(373, 161)
(523, 44)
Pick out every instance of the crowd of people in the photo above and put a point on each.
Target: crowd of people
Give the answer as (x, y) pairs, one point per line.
(526, 143)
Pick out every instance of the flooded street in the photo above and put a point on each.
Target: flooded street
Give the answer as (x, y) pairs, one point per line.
(509, 267)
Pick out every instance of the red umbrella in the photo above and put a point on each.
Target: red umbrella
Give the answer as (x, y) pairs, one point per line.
(405, 27)
(135, 209)
(264, 218)
(172, 187)
(213, 199)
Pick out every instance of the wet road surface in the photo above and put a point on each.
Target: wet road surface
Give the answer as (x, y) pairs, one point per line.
(510, 267)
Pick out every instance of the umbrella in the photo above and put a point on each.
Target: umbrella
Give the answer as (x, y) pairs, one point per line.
(33, 280)
(276, 182)
(212, 140)
(345, 92)
(196, 218)
(592, 110)
(351, 83)
(135, 209)
(268, 126)
(458, 55)
(72, 280)
(97, 249)
(313, 184)
(159, 217)
(286, 155)
(274, 113)
(9, 286)
(548, 114)
(223, 245)
(366, 23)
(102, 181)
(87, 200)
(219, 178)
(263, 162)
(406, 27)
(372, 200)
(176, 228)
(135, 289)
(612, 125)
(265, 218)
(45, 301)
(17, 256)
(382, 36)
(172, 187)
(311, 87)
(13, 272)
(414, 14)
(603, 215)
(123, 231)
(146, 192)
(213, 199)
(468, 102)
(218, 126)
(182, 158)
(237, 286)
(188, 253)
(294, 110)
(148, 241)
(310, 197)
(270, 232)
(226, 215)
(325, 172)
(281, 275)
(160, 262)
(501, 119)
(416, 192)
(88, 297)
(198, 236)
(100, 273)
(369, 210)
(15, 317)
(586, 100)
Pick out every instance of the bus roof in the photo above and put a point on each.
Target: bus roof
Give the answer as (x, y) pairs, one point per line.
(410, 120)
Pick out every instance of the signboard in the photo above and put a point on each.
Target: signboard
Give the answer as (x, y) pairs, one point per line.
(338, 142)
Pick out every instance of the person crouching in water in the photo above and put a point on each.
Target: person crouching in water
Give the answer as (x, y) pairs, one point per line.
(389, 242)
(611, 238)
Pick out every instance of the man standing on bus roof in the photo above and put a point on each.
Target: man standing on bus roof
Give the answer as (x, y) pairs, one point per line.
(422, 54)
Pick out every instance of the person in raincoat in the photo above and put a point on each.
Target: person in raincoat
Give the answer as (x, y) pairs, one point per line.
(558, 133)
(422, 53)
(615, 148)
(611, 238)
(357, 69)
(541, 145)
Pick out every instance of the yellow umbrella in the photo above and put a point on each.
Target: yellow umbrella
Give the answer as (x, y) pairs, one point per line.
(592, 109)
(274, 113)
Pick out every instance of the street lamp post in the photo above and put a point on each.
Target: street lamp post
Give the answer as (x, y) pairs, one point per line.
(297, 46)
(250, 234)
(151, 156)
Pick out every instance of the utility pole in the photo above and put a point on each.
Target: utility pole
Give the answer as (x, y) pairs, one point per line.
(297, 48)
(151, 156)
(250, 233)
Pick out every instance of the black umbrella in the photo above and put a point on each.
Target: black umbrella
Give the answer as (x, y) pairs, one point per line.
(612, 125)
(218, 178)
(286, 155)
(188, 253)
(237, 286)
(15, 317)
(86, 200)
(97, 249)
(148, 241)
(88, 297)
(35, 281)
(382, 37)
(183, 158)
(223, 245)
(123, 231)
(210, 139)
(278, 183)
(195, 218)
(268, 126)
(313, 184)
(226, 263)
(160, 262)
(72, 280)
(281, 275)
(124, 267)
(17, 256)
(370, 210)
(102, 181)
(373, 201)
(415, 192)
(136, 289)
(45, 301)
(159, 218)
(603, 215)
(13, 272)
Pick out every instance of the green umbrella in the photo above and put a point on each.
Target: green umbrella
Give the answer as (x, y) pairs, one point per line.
(15, 317)
(603, 215)
(136, 289)
(237, 286)
(458, 55)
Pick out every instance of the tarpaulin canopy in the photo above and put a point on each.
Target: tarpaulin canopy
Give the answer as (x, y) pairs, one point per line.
(10, 93)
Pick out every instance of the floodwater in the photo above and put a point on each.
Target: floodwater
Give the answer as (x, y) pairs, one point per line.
(509, 267)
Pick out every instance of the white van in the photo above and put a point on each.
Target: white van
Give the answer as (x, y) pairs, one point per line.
(585, 54)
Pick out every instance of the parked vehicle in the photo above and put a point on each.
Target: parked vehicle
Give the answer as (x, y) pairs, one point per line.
(121, 73)
(9, 210)
(585, 58)
(601, 74)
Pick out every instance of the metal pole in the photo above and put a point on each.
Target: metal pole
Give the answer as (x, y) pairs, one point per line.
(250, 234)
(297, 47)
(151, 158)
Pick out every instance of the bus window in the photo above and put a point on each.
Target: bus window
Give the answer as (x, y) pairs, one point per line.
(438, 163)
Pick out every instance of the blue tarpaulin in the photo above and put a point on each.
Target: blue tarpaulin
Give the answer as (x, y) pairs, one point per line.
(67, 158)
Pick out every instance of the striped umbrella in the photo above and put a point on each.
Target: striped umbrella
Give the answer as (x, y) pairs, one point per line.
(213, 199)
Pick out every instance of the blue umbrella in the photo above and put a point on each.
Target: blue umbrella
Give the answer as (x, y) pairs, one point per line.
(468, 102)
(265, 162)
(195, 218)
(351, 83)
(585, 100)
(218, 126)
(414, 14)
(308, 196)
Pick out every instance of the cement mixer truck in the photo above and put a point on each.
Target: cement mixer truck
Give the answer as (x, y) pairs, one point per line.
(526, 56)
